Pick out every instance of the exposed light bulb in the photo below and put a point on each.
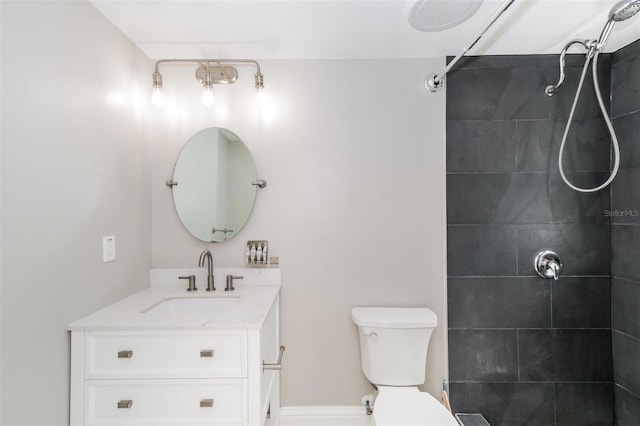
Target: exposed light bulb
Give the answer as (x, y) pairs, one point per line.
(261, 100)
(157, 97)
(207, 97)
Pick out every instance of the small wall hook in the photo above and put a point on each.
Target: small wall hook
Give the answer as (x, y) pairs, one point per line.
(260, 183)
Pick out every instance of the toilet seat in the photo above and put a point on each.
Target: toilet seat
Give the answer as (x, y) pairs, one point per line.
(407, 406)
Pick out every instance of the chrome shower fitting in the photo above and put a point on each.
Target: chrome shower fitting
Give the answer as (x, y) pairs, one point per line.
(621, 11)
(548, 264)
(435, 82)
(590, 45)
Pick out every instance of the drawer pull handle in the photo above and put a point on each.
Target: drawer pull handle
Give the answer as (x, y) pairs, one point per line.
(125, 354)
(207, 353)
(206, 403)
(125, 403)
(278, 363)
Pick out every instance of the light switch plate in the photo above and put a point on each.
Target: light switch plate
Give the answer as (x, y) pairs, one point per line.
(109, 248)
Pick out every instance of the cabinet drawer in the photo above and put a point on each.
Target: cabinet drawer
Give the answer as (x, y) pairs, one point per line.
(166, 402)
(165, 354)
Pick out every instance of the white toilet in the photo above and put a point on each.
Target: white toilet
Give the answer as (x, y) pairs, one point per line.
(393, 354)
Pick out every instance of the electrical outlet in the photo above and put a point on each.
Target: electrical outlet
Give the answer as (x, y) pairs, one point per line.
(109, 249)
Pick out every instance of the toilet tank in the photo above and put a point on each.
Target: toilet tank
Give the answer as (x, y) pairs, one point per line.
(394, 343)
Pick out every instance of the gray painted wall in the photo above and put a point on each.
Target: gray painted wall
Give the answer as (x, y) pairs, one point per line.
(354, 205)
(352, 172)
(524, 350)
(626, 235)
(75, 167)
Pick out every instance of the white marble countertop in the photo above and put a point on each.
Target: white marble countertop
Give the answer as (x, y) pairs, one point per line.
(249, 312)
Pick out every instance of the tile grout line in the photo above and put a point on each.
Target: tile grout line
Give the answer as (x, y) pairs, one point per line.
(555, 406)
(517, 251)
(518, 353)
(551, 286)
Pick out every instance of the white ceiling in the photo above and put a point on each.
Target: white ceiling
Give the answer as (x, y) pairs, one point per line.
(340, 29)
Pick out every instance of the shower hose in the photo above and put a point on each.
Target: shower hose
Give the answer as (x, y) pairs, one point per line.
(593, 53)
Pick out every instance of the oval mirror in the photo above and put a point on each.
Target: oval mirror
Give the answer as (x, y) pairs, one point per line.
(213, 184)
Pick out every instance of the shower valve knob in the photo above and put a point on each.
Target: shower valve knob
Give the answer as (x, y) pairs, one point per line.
(548, 264)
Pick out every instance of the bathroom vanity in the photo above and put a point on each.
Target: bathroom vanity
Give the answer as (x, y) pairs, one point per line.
(165, 356)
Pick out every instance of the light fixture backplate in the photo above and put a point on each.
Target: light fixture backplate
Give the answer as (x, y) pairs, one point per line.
(219, 74)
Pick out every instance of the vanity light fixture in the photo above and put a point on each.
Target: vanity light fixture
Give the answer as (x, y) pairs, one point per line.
(207, 83)
(157, 97)
(260, 88)
(208, 73)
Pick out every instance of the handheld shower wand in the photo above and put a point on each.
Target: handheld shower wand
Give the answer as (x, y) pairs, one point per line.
(621, 11)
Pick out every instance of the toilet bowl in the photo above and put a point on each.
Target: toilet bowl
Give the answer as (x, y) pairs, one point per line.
(407, 406)
(393, 354)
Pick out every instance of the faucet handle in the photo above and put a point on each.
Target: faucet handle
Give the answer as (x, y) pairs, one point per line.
(230, 279)
(548, 264)
(192, 282)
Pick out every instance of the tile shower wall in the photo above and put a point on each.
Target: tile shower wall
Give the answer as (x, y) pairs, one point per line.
(522, 349)
(625, 213)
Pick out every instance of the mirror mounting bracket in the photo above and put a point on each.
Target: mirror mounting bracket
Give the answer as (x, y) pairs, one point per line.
(261, 183)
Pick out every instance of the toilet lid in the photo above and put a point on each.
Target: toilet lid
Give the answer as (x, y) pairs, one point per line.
(407, 406)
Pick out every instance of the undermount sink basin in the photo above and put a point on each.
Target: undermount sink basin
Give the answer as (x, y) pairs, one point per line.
(192, 305)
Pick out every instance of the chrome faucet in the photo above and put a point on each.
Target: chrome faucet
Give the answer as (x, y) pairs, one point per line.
(208, 257)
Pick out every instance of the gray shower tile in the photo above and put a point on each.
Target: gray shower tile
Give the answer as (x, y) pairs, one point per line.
(626, 369)
(565, 355)
(627, 407)
(526, 198)
(496, 94)
(587, 147)
(625, 197)
(583, 302)
(483, 355)
(570, 206)
(475, 198)
(481, 250)
(626, 86)
(506, 404)
(576, 60)
(627, 130)
(626, 305)
(584, 248)
(499, 302)
(481, 146)
(627, 52)
(588, 107)
(580, 404)
(508, 61)
(626, 243)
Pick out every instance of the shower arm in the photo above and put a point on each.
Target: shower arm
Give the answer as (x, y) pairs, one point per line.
(589, 45)
(434, 82)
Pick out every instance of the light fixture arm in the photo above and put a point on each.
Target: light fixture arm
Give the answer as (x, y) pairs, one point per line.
(208, 76)
(205, 61)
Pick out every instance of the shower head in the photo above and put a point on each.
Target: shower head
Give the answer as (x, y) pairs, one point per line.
(620, 11)
(624, 10)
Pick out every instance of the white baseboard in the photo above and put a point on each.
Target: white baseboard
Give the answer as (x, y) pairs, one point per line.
(324, 415)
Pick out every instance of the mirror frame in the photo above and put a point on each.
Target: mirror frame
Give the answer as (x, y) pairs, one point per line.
(215, 155)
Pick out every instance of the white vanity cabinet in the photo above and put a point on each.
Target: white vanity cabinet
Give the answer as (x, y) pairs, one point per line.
(203, 376)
